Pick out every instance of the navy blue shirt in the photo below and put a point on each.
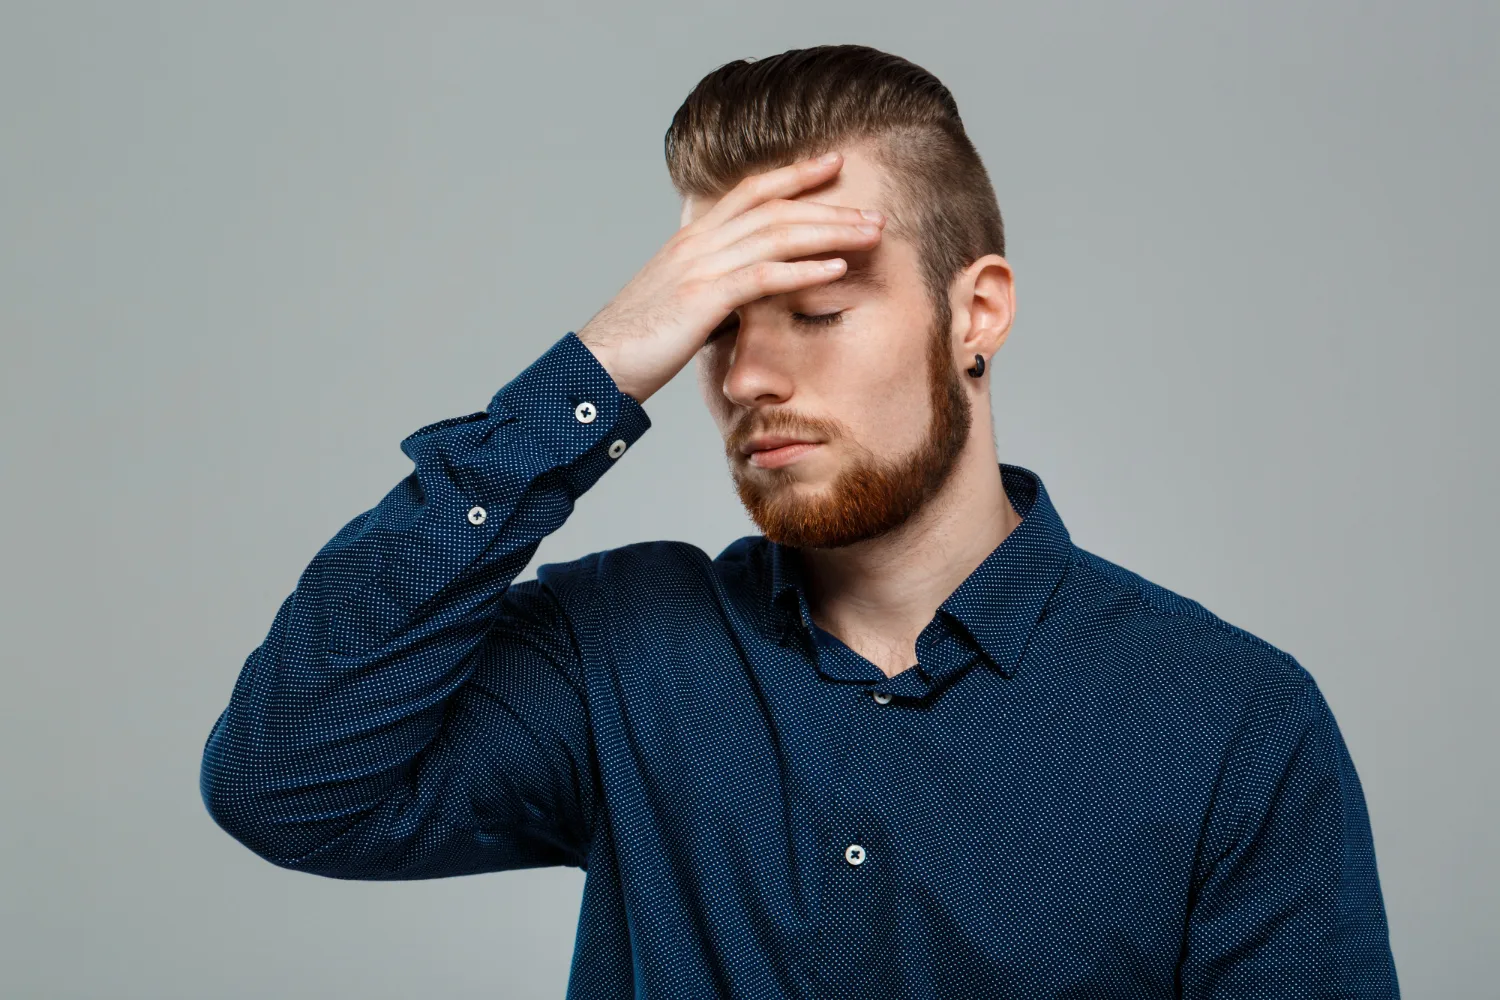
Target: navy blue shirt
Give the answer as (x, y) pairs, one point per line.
(1086, 786)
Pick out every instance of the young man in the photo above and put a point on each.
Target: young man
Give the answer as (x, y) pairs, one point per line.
(912, 741)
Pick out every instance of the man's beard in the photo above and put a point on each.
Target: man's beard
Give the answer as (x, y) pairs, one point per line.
(868, 498)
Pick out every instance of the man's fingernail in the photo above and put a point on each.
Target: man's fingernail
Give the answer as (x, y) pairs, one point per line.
(828, 157)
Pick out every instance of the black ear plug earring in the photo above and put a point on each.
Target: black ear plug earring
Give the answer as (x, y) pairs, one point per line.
(977, 369)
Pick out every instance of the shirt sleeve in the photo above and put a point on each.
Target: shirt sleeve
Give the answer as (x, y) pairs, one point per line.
(1287, 901)
(411, 714)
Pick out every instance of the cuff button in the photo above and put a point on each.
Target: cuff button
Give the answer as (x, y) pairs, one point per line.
(585, 412)
(617, 448)
(477, 515)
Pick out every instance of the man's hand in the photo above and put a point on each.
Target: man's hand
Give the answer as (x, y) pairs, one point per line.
(736, 253)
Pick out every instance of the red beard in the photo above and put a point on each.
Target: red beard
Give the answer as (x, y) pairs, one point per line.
(869, 498)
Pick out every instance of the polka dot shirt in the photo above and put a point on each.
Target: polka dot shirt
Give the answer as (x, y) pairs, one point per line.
(1087, 785)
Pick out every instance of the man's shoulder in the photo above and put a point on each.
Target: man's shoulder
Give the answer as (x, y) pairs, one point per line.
(1172, 636)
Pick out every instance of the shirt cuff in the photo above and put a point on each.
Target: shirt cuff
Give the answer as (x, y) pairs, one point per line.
(564, 412)
(569, 404)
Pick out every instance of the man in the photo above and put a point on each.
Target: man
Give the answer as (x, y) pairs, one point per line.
(912, 741)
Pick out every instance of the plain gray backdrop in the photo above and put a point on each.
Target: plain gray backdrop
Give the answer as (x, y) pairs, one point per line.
(246, 248)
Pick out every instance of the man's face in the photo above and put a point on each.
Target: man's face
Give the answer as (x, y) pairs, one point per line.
(857, 370)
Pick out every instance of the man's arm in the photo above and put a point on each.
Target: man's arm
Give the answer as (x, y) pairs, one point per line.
(364, 738)
(413, 715)
(1288, 901)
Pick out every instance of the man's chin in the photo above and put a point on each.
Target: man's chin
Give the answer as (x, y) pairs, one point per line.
(791, 509)
(803, 481)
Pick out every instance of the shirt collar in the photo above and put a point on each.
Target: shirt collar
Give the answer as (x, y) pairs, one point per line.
(1002, 600)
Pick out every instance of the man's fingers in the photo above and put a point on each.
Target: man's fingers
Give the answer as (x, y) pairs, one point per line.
(780, 211)
(780, 243)
(783, 182)
(773, 277)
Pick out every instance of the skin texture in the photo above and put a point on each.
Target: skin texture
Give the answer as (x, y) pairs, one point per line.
(867, 389)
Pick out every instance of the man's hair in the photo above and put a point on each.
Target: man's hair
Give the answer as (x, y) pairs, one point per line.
(748, 116)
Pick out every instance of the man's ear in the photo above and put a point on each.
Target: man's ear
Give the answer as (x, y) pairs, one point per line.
(984, 306)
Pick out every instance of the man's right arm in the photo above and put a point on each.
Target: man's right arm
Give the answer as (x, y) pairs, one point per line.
(362, 739)
(365, 738)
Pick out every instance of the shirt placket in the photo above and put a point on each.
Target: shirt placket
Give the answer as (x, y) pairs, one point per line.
(858, 878)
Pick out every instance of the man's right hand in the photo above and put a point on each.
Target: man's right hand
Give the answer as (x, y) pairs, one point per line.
(736, 253)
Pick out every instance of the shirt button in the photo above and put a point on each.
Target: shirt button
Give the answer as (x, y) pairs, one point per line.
(854, 854)
(585, 412)
(477, 515)
(617, 449)
(881, 697)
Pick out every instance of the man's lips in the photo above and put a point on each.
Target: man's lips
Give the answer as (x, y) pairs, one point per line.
(772, 451)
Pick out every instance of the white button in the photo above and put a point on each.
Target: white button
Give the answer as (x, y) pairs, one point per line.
(585, 413)
(617, 449)
(476, 515)
(881, 697)
(854, 854)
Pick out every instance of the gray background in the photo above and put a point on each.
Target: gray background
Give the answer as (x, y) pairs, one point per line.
(245, 249)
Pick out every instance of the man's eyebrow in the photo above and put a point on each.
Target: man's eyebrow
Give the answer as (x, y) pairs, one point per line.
(863, 276)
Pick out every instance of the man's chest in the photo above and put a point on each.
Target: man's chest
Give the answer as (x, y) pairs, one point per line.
(993, 812)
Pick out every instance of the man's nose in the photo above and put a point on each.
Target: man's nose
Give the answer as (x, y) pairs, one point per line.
(759, 366)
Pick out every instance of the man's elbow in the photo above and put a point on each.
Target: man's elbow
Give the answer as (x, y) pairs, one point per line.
(239, 811)
(245, 802)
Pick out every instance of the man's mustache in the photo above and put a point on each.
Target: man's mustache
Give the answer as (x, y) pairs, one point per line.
(781, 422)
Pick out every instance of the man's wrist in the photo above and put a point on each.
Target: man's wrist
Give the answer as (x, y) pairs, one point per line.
(608, 360)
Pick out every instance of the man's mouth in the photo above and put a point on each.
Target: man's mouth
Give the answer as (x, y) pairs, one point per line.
(774, 451)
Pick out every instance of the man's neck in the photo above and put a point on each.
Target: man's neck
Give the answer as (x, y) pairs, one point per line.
(877, 595)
